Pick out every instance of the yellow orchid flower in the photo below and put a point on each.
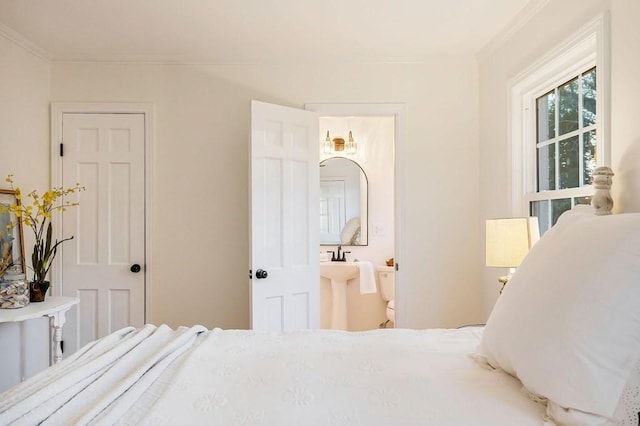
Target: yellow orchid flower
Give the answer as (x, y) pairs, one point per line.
(37, 216)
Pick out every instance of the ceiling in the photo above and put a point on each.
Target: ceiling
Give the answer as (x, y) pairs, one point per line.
(255, 31)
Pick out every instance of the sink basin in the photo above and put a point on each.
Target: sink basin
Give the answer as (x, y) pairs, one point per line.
(339, 273)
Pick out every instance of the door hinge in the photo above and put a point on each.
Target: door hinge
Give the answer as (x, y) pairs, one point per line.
(396, 267)
(62, 346)
(61, 150)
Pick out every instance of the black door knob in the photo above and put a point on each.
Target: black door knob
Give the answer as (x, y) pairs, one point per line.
(135, 268)
(261, 274)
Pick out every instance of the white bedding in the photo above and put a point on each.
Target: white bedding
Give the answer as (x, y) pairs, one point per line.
(150, 376)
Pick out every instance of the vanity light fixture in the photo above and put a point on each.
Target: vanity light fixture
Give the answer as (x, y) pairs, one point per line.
(327, 145)
(351, 146)
(339, 145)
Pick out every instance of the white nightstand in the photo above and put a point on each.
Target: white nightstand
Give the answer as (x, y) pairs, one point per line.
(54, 307)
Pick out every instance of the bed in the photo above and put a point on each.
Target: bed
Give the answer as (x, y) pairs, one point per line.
(562, 346)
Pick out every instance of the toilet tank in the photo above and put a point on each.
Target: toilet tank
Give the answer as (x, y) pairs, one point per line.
(387, 281)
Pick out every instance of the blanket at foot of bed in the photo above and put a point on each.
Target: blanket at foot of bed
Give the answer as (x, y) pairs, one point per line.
(102, 381)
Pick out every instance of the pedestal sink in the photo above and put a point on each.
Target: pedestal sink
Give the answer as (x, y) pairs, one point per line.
(339, 273)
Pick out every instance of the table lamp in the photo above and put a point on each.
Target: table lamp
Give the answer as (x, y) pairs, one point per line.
(508, 241)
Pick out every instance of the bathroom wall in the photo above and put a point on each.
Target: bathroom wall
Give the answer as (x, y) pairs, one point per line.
(375, 139)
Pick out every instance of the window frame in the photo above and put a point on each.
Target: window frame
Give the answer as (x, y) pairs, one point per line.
(586, 49)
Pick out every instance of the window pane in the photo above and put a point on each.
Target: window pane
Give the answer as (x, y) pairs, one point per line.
(547, 168)
(569, 163)
(582, 200)
(588, 156)
(546, 116)
(540, 209)
(589, 98)
(568, 106)
(558, 207)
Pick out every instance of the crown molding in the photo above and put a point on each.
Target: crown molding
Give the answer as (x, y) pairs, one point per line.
(519, 21)
(25, 43)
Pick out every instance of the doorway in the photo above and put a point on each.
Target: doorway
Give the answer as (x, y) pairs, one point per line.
(377, 155)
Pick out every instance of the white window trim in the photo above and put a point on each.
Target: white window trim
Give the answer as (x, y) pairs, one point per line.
(587, 48)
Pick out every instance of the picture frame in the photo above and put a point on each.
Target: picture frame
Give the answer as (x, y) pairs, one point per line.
(11, 240)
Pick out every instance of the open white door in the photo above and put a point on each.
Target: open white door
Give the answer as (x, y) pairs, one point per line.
(285, 278)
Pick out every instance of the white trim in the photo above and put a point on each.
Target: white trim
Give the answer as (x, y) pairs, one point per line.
(519, 21)
(398, 112)
(588, 47)
(148, 109)
(25, 43)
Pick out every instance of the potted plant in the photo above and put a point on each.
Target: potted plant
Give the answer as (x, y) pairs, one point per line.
(37, 214)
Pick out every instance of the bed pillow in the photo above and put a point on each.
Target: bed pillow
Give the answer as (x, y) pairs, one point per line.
(568, 322)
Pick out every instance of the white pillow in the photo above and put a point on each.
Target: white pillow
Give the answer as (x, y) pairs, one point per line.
(568, 322)
(351, 231)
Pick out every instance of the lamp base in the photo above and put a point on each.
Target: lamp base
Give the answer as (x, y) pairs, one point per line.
(504, 280)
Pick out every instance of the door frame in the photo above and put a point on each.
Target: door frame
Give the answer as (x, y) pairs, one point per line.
(397, 111)
(58, 109)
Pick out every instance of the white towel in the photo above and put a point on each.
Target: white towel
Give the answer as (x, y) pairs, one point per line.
(367, 277)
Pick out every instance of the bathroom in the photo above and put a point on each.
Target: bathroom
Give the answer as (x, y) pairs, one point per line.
(373, 142)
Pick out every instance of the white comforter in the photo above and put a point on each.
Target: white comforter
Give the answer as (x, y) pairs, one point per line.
(238, 377)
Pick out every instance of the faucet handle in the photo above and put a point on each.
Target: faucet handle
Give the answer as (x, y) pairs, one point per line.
(344, 255)
(333, 255)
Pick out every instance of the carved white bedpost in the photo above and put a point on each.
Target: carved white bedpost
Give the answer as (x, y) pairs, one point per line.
(602, 202)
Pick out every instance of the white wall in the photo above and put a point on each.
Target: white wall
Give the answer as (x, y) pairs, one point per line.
(557, 21)
(625, 87)
(24, 143)
(200, 248)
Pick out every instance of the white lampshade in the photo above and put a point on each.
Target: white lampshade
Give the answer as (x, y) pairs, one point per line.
(509, 240)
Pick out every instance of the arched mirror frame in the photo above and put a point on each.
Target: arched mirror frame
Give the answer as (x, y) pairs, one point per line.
(364, 206)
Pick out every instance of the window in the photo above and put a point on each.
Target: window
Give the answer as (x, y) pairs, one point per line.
(559, 124)
(566, 147)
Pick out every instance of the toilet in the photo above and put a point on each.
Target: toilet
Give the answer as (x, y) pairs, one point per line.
(387, 281)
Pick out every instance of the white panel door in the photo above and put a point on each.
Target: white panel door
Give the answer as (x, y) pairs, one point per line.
(285, 279)
(104, 263)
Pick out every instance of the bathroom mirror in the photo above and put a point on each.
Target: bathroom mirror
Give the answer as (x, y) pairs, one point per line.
(343, 203)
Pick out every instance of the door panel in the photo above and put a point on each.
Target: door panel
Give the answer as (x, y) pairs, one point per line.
(332, 209)
(105, 154)
(284, 218)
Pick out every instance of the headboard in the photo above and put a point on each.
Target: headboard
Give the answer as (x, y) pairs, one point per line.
(602, 201)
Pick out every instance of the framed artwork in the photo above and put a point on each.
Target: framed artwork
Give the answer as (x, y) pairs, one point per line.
(12, 237)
